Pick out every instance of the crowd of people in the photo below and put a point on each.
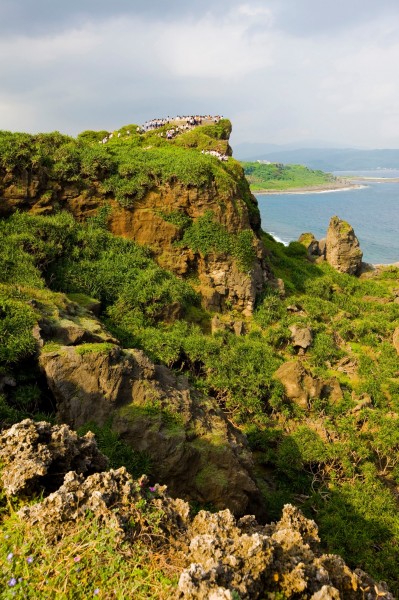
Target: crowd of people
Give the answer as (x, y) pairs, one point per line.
(110, 136)
(189, 120)
(218, 155)
(179, 124)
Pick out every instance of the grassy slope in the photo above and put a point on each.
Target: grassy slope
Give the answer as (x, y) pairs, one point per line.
(275, 176)
(341, 467)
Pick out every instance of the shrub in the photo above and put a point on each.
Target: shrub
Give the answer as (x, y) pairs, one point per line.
(205, 235)
(16, 325)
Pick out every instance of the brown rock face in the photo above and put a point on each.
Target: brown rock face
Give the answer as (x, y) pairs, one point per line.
(301, 387)
(222, 284)
(342, 247)
(195, 450)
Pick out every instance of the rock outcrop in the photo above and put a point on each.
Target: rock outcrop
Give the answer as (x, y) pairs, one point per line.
(301, 387)
(195, 450)
(36, 456)
(311, 244)
(223, 558)
(150, 220)
(342, 247)
(241, 559)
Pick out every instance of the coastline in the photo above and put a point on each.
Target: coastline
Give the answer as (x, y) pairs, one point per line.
(376, 179)
(314, 189)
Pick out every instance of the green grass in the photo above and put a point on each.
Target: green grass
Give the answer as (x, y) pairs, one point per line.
(127, 167)
(87, 561)
(280, 177)
(97, 348)
(206, 235)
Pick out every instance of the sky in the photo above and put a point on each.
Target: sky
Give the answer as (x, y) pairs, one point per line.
(312, 72)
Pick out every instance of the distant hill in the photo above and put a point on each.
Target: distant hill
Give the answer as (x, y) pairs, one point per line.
(280, 177)
(325, 159)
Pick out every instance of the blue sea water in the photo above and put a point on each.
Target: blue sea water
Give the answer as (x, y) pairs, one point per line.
(373, 212)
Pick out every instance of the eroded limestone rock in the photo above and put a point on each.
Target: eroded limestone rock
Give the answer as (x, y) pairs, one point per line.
(342, 247)
(36, 456)
(242, 559)
(223, 558)
(112, 497)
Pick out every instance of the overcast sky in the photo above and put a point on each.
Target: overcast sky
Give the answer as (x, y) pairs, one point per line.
(282, 70)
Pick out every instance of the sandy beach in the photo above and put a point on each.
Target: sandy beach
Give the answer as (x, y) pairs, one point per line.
(376, 179)
(318, 189)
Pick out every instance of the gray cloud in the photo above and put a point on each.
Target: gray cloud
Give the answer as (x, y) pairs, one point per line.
(320, 17)
(282, 70)
(34, 17)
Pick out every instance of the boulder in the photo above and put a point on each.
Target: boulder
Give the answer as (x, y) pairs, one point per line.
(301, 387)
(194, 449)
(302, 337)
(299, 384)
(311, 244)
(236, 327)
(342, 247)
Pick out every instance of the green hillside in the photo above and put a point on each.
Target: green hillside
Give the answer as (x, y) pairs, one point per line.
(335, 456)
(275, 176)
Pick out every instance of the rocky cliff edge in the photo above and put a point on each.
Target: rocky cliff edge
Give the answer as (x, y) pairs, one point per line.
(221, 558)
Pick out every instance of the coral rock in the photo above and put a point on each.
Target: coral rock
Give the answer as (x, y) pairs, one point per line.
(37, 455)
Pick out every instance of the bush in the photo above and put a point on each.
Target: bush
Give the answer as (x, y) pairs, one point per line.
(16, 325)
(205, 235)
(117, 451)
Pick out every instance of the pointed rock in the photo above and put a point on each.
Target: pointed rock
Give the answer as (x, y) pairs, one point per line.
(342, 247)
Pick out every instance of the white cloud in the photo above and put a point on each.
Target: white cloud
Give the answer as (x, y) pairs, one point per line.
(207, 50)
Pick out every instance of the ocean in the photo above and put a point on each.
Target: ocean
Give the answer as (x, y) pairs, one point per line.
(373, 212)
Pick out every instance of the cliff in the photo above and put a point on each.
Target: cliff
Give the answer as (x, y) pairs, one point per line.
(155, 191)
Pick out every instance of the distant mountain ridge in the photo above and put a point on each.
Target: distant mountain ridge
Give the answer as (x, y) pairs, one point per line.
(325, 159)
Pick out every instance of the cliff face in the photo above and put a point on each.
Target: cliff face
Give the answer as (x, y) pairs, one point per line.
(158, 203)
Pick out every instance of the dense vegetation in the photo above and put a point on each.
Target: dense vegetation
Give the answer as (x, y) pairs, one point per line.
(279, 177)
(127, 166)
(333, 461)
(337, 459)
